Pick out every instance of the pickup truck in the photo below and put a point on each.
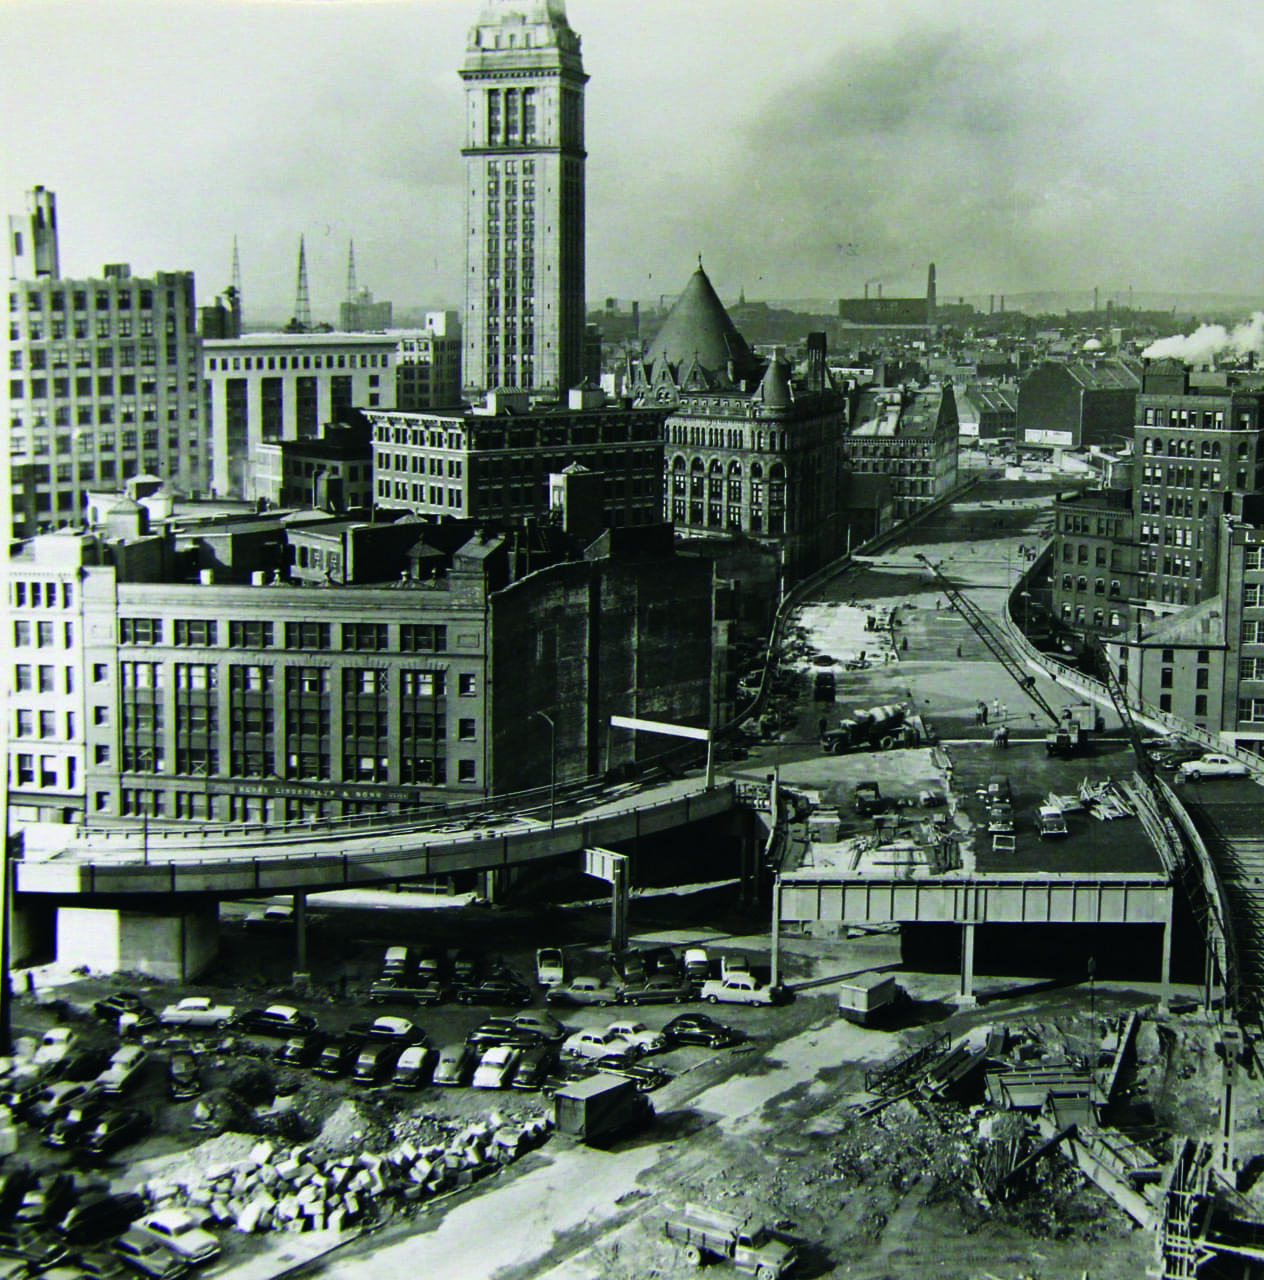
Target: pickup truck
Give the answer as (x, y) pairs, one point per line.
(706, 1233)
(196, 1011)
(741, 988)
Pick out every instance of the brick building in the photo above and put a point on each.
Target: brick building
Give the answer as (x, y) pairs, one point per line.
(1070, 406)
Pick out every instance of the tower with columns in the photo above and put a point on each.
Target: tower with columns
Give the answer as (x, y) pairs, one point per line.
(524, 158)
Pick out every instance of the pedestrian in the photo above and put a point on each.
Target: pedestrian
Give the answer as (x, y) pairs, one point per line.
(936, 604)
(904, 644)
(958, 651)
(983, 713)
(996, 708)
(996, 736)
(1004, 715)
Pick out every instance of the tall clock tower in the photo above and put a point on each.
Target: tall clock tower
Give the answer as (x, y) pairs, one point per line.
(524, 199)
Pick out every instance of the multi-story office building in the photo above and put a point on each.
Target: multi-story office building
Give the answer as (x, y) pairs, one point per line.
(1094, 569)
(428, 372)
(493, 462)
(524, 160)
(105, 379)
(910, 435)
(267, 387)
(751, 450)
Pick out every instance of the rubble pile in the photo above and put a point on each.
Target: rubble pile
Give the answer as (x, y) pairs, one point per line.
(305, 1188)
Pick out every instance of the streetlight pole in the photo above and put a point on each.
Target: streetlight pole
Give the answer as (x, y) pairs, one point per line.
(552, 767)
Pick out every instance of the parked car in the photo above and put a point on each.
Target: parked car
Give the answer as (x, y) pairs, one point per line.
(117, 1129)
(46, 1199)
(302, 1051)
(742, 988)
(275, 1020)
(431, 963)
(144, 1254)
(56, 1099)
(597, 1044)
(663, 989)
(697, 964)
(544, 1025)
(415, 1067)
(55, 1044)
(501, 991)
(101, 1213)
(639, 1034)
(182, 1233)
(1174, 757)
(502, 1031)
(697, 1028)
(82, 1065)
(583, 991)
(455, 1064)
(733, 962)
(646, 1075)
(466, 965)
(535, 1066)
(15, 1182)
(183, 1078)
(496, 1067)
(71, 1126)
(377, 1061)
(276, 917)
(398, 965)
(397, 1030)
(630, 966)
(416, 993)
(1211, 766)
(663, 962)
(196, 1011)
(136, 1022)
(550, 968)
(339, 1056)
(119, 1002)
(126, 1064)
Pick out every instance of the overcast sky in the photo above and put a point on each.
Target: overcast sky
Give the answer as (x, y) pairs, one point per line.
(802, 146)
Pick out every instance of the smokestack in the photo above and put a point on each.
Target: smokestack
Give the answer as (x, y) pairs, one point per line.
(1094, 298)
(879, 289)
(991, 303)
(1002, 303)
(930, 290)
(866, 290)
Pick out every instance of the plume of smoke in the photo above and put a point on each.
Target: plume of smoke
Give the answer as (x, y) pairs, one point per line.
(1211, 340)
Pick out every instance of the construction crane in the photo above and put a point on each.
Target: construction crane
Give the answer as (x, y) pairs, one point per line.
(1068, 733)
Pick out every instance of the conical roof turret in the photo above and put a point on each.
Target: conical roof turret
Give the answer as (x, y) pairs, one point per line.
(699, 328)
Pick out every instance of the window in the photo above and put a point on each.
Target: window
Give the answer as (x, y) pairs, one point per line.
(467, 730)
(140, 631)
(364, 636)
(47, 724)
(26, 771)
(467, 686)
(22, 677)
(249, 635)
(466, 771)
(307, 635)
(423, 639)
(198, 632)
(25, 724)
(43, 635)
(21, 635)
(1165, 677)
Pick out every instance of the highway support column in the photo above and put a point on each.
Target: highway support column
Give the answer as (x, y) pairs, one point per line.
(302, 974)
(774, 977)
(1165, 974)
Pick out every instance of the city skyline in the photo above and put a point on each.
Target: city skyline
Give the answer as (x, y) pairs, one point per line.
(802, 149)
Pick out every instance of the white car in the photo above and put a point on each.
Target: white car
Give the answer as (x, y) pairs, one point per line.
(598, 1044)
(639, 1034)
(56, 1044)
(739, 988)
(550, 967)
(1211, 766)
(197, 1011)
(497, 1067)
(123, 1068)
(181, 1233)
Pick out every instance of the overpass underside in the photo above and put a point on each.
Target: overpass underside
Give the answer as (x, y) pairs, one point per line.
(836, 902)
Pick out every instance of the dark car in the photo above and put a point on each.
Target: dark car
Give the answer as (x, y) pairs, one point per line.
(118, 1002)
(431, 963)
(84, 1065)
(663, 962)
(537, 1064)
(503, 1031)
(698, 1028)
(302, 1051)
(68, 1129)
(14, 1184)
(183, 1078)
(101, 1214)
(418, 994)
(505, 991)
(397, 1030)
(339, 1056)
(1174, 757)
(276, 1020)
(659, 990)
(630, 966)
(115, 1130)
(376, 1063)
(466, 966)
(647, 1077)
(32, 1253)
(47, 1200)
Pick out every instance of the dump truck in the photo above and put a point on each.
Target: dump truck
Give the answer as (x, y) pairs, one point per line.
(879, 728)
(602, 1106)
(704, 1234)
(868, 997)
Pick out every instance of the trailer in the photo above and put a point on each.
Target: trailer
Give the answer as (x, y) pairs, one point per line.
(881, 728)
(868, 997)
(602, 1106)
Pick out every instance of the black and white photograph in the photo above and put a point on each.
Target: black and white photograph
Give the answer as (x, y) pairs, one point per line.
(634, 640)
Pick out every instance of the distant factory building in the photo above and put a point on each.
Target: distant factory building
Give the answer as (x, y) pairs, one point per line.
(875, 320)
(1063, 406)
(988, 415)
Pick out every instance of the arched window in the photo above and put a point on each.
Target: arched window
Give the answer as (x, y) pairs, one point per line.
(1066, 611)
(1099, 586)
(757, 471)
(1115, 588)
(1067, 582)
(1081, 583)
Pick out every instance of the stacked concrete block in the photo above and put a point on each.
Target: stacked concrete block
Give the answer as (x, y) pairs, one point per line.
(298, 1189)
